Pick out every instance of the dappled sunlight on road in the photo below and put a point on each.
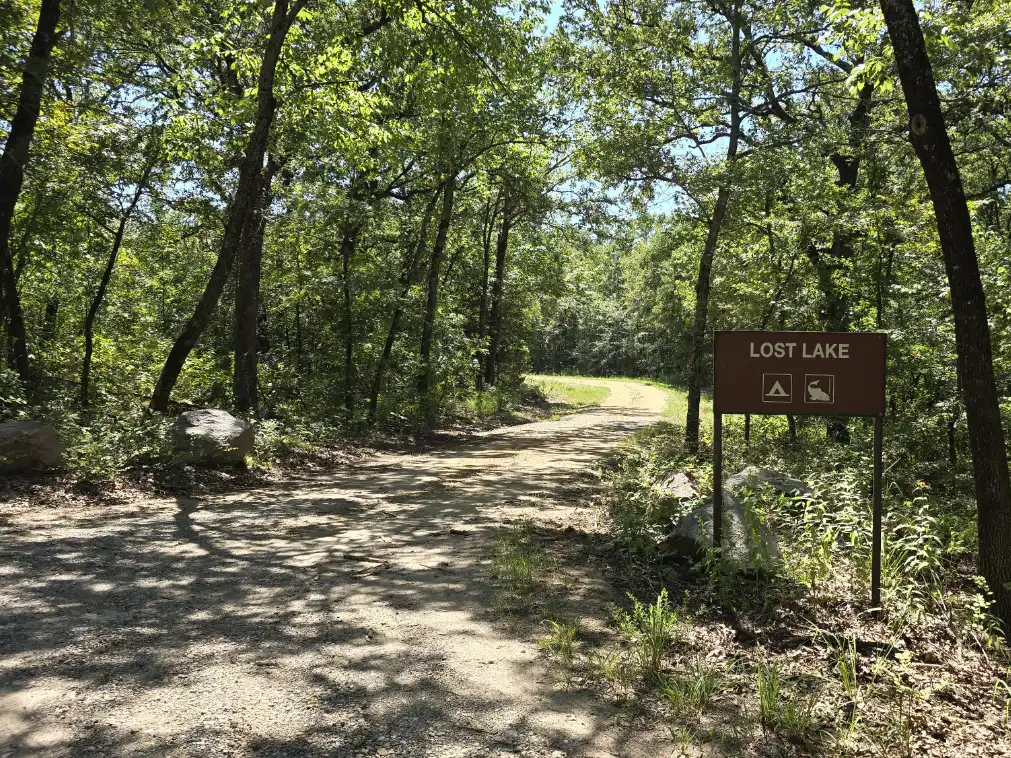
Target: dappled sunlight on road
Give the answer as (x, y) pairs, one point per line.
(317, 618)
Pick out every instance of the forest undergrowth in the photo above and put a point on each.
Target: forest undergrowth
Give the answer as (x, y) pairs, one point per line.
(121, 451)
(793, 660)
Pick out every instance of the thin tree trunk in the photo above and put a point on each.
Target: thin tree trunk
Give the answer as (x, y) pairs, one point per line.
(407, 279)
(12, 175)
(704, 283)
(50, 321)
(247, 295)
(834, 262)
(348, 244)
(103, 285)
(246, 193)
(482, 310)
(972, 331)
(432, 301)
(495, 320)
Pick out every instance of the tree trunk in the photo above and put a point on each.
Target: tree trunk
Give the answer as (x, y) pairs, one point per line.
(247, 295)
(247, 192)
(12, 174)
(704, 282)
(348, 244)
(482, 310)
(408, 278)
(103, 285)
(833, 263)
(432, 302)
(495, 320)
(50, 321)
(972, 332)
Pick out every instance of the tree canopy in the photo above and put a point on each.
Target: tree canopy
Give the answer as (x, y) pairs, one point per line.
(366, 214)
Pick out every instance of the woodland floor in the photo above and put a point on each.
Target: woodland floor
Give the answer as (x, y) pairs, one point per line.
(336, 615)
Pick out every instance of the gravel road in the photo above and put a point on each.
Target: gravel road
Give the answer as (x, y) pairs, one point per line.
(344, 615)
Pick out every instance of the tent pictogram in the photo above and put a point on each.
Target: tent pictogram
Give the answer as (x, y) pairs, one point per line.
(777, 388)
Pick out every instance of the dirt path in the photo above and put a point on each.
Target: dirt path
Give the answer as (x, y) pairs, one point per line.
(339, 616)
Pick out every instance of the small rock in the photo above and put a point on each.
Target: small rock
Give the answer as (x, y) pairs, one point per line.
(678, 486)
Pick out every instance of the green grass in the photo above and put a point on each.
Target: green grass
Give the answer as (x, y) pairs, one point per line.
(561, 639)
(674, 409)
(694, 688)
(557, 390)
(519, 566)
(650, 630)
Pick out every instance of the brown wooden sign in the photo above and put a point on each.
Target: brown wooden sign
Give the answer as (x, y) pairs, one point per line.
(813, 373)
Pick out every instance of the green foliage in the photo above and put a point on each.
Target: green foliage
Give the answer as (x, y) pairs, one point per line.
(561, 639)
(649, 631)
(694, 687)
(792, 716)
(106, 446)
(928, 576)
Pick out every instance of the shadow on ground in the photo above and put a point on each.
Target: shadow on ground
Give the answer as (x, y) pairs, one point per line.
(329, 617)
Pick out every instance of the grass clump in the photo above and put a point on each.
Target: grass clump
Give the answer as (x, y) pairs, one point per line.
(649, 631)
(519, 564)
(560, 640)
(693, 688)
(792, 717)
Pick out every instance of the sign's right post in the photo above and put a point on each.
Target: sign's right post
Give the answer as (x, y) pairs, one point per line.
(879, 433)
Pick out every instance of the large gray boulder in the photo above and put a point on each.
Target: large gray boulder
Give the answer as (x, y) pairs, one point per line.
(755, 477)
(211, 436)
(29, 446)
(749, 545)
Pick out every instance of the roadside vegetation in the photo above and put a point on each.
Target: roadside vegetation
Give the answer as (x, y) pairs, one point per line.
(790, 659)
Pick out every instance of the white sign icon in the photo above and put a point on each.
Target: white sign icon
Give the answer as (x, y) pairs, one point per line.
(819, 388)
(777, 388)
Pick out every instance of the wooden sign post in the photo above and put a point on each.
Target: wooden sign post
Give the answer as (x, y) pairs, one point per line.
(803, 373)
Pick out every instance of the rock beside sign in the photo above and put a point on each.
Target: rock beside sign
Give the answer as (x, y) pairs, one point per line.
(677, 486)
(780, 482)
(750, 547)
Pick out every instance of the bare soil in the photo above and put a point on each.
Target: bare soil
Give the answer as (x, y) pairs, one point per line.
(333, 615)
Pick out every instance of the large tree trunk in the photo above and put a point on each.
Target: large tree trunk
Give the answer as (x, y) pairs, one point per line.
(103, 285)
(12, 175)
(408, 278)
(495, 325)
(972, 332)
(247, 295)
(247, 192)
(704, 283)
(432, 300)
